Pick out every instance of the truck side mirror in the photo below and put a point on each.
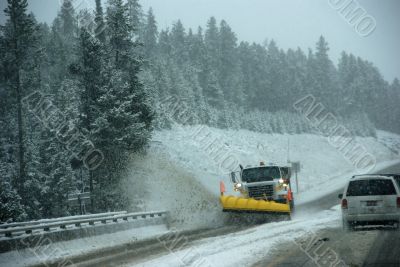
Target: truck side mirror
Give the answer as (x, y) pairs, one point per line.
(340, 196)
(233, 177)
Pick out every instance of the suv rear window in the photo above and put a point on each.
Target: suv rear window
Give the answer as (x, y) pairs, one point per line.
(371, 187)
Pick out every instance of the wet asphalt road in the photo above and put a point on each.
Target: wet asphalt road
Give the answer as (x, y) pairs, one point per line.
(385, 250)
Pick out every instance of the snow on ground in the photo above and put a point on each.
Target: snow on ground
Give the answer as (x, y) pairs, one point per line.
(245, 248)
(390, 140)
(49, 251)
(210, 153)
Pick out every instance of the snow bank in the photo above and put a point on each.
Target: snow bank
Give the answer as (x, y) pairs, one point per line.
(194, 149)
(49, 251)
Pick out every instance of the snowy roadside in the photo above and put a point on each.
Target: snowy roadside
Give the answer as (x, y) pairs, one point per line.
(48, 251)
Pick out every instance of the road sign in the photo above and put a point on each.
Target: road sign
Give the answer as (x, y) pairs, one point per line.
(296, 169)
(296, 166)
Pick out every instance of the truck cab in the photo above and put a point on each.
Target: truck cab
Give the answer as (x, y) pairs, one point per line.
(263, 182)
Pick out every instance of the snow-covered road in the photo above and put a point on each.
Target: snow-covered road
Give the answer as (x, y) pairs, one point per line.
(246, 247)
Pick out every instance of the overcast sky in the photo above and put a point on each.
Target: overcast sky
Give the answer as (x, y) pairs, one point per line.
(291, 23)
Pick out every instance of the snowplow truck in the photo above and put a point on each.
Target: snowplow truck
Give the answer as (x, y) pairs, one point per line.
(263, 189)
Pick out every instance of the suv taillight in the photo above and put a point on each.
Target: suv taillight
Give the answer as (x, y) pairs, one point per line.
(344, 204)
(398, 202)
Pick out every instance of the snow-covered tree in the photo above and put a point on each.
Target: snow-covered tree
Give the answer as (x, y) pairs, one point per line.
(17, 39)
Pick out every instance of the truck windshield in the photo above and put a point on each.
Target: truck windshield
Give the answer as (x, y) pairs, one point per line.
(260, 174)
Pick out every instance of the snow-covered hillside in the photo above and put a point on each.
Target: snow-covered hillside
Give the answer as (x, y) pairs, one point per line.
(185, 165)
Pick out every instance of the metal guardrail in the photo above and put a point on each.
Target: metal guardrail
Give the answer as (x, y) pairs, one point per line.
(62, 225)
(69, 218)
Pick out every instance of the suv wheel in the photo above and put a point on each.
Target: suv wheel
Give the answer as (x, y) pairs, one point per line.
(347, 226)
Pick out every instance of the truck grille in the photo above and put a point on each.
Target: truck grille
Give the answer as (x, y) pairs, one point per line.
(261, 192)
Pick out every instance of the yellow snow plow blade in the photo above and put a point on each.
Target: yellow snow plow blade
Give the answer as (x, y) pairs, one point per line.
(239, 204)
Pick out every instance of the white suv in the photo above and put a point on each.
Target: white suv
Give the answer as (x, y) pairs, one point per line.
(370, 200)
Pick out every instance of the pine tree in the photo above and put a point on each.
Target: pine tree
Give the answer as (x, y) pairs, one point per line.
(123, 121)
(150, 35)
(229, 74)
(17, 39)
(275, 70)
(89, 70)
(211, 41)
(325, 76)
(120, 30)
(178, 39)
(67, 14)
(100, 25)
(213, 91)
(135, 15)
(247, 82)
(196, 47)
(164, 45)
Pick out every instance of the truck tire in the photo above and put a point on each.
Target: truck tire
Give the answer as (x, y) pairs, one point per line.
(292, 208)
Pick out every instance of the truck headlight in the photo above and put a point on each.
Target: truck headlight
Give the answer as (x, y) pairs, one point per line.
(281, 181)
(237, 186)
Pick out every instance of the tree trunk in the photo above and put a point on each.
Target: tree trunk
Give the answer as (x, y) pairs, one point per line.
(17, 85)
(21, 133)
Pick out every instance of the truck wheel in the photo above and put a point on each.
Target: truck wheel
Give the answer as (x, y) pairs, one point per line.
(292, 209)
(287, 217)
